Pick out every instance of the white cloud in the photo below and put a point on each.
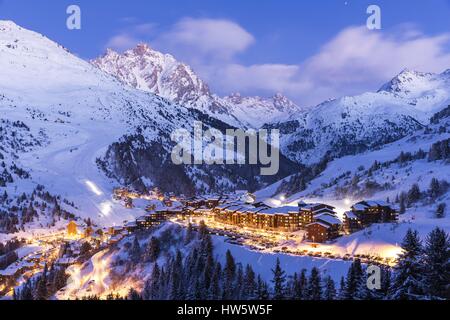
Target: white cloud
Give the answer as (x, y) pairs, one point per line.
(131, 36)
(362, 58)
(269, 77)
(354, 61)
(216, 39)
(122, 42)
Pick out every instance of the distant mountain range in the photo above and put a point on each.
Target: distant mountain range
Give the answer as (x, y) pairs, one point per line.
(149, 70)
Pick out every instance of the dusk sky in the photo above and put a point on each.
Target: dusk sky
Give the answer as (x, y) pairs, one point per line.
(308, 50)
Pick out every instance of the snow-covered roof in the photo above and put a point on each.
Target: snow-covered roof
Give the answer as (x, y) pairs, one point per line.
(360, 207)
(320, 224)
(324, 210)
(328, 218)
(229, 204)
(13, 268)
(280, 210)
(381, 203)
(313, 206)
(131, 224)
(350, 215)
(239, 207)
(254, 209)
(363, 205)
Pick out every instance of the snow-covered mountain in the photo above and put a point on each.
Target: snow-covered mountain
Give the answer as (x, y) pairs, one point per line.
(425, 92)
(79, 118)
(350, 125)
(149, 70)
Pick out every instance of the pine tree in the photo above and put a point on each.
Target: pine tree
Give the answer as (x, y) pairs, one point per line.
(314, 285)
(202, 229)
(362, 291)
(41, 289)
(342, 290)
(279, 280)
(435, 188)
(135, 251)
(26, 293)
(440, 211)
(59, 279)
(385, 282)
(330, 289)
(239, 284)
(229, 276)
(189, 234)
(353, 281)
(249, 290)
(297, 289)
(414, 194)
(134, 295)
(214, 288)
(402, 201)
(408, 271)
(152, 286)
(437, 264)
(153, 250)
(176, 291)
(262, 290)
(303, 284)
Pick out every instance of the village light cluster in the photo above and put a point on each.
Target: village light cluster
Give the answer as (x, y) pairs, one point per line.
(319, 220)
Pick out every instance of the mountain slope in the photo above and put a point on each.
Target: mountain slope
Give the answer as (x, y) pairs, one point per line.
(350, 125)
(83, 112)
(149, 70)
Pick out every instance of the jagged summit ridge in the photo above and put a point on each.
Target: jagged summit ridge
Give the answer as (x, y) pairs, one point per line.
(149, 70)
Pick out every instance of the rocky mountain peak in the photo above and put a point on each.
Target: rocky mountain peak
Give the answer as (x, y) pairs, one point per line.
(150, 70)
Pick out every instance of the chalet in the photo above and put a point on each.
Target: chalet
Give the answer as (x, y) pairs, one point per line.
(152, 219)
(309, 211)
(142, 223)
(113, 231)
(131, 227)
(212, 202)
(318, 232)
(284, 219)
(278, 219)
(332, 221)
(351, 222)
(195, 202)
(368, 212)
(200, 212)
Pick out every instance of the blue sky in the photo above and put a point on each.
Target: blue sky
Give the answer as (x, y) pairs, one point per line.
(310, 50)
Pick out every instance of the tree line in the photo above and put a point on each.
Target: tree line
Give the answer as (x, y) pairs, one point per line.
(422, 272)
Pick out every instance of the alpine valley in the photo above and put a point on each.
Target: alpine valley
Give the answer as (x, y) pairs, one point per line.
(76, 135)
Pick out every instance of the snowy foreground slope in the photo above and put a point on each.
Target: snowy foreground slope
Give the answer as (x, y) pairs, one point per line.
(112, 271)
